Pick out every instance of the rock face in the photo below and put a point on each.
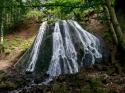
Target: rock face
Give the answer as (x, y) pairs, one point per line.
(62, 48)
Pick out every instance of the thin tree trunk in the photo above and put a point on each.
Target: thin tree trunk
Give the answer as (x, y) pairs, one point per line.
(1, 39)
(2, 30)
(121, 39)
(111, 26)
(114, 50)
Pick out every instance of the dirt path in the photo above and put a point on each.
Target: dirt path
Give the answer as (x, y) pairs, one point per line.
(4, 64)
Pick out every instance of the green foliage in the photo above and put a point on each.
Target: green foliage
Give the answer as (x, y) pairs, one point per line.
(35, 14)
(16, 43)
(114, 2)
(74, 9)
(63, 12)
(13, 11)
(10, 13)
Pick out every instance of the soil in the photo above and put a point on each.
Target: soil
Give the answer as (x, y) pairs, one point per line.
(24, 32)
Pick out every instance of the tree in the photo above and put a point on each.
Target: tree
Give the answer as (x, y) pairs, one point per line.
(118, 31)
(11, 12)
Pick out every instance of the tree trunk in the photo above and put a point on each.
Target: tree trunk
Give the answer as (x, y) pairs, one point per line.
(121, 39)
(111, 26)
(1, 39)
(2, 30)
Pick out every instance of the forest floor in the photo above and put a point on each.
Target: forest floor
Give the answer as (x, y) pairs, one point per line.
(100, 78)
(16, 43)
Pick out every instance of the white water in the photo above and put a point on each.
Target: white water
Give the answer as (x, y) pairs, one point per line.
(90, 43)
(65, 53)
(36, 47)
(64, 49)
(58, 53)
(72, 48)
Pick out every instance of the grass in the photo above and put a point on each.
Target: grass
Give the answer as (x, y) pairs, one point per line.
(17, 43)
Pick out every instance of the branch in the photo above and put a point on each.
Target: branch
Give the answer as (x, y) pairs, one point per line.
(86, 5)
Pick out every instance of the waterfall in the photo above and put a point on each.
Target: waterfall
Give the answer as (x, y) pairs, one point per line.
(36, 48)
(58, 52)
(69, 48)
(65, 50)
(72, 48)
(90, 43)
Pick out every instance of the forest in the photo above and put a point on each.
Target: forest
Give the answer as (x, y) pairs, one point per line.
(62, 46)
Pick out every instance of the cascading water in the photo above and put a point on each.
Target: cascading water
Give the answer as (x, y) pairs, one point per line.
(36, 47)
(90, 43)
(61, 50)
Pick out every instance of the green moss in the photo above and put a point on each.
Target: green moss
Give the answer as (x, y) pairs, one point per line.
(101, 90)
(110, 70)
(3, 75)
(97, 85)
(8, 85)
(60, 88)
(5, 82)
(86, 89)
